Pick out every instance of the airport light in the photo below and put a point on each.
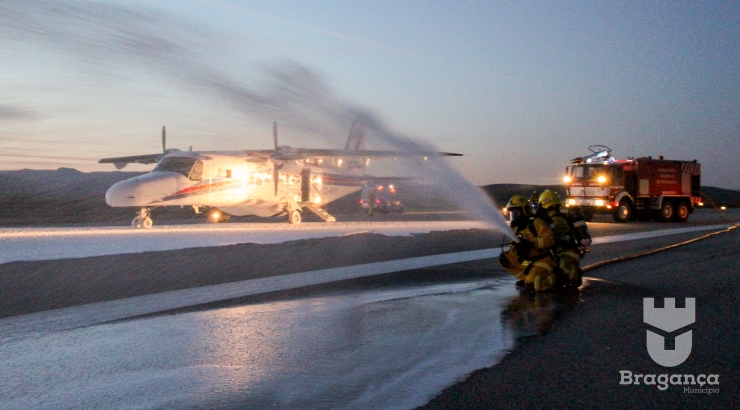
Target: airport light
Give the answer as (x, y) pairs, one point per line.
(700, 204)
(723, 207)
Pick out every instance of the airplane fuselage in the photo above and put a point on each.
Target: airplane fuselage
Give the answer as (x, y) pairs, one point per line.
(238, 183)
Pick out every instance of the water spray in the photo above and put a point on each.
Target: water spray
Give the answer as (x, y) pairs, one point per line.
(295, 96)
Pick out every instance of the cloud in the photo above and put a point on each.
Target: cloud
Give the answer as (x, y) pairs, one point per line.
(8, 112)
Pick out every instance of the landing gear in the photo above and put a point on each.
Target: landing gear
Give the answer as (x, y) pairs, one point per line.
(292, 209)
(294, 217)
(142, 220)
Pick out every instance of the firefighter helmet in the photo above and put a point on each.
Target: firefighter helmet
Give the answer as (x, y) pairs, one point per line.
(518, 201)
(549, 199)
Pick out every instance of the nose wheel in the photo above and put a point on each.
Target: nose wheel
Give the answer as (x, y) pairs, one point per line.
(294, 217)
(142, 220)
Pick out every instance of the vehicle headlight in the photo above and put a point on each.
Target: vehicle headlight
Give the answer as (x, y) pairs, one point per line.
(601, 179)
(599, 202)
(566, 179)
(571, 202)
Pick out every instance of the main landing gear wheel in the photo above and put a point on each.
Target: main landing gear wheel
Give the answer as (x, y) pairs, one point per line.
(294, 217)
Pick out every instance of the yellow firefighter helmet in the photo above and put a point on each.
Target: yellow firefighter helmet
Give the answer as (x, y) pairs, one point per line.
(549, 199)
(518, 201)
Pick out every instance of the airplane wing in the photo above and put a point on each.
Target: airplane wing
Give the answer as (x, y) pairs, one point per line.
(121, 162)
(303, 153)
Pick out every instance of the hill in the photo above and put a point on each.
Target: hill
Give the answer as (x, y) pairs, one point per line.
(720, 196)
(67, 196)
(501, 193)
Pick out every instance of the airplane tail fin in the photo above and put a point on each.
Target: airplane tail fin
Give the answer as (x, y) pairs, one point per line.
(356, 139)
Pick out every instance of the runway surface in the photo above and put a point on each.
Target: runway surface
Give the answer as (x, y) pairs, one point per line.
(25, 244)
(370, 350)
(393, 347)
(96, 313)
(29, 244)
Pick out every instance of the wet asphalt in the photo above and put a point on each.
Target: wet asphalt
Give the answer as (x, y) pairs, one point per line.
(576, 358)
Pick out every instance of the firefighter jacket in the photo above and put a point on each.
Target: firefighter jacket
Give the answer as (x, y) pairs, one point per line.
(536, 239)
(564, 237)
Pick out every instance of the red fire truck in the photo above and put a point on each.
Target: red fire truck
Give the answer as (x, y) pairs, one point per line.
(633, 189)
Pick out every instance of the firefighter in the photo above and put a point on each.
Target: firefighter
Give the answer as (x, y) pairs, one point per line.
(569, 238)
(529, 260)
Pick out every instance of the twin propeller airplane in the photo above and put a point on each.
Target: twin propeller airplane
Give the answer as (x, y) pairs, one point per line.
(283, 181)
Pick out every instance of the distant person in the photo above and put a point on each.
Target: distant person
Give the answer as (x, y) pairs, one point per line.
(529, 260)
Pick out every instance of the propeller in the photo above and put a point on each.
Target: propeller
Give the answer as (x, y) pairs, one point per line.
(275, 167)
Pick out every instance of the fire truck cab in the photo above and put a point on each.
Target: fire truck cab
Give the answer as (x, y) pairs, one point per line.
(633, 189)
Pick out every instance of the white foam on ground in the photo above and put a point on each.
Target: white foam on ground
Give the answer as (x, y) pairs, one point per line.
(32, 244)
(94, 313)
(375, 349)
(90, 314)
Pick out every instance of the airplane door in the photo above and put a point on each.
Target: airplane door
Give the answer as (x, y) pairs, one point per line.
(306, 184)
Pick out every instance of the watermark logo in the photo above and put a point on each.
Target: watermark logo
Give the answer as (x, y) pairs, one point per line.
(672, 322)
(669, 319)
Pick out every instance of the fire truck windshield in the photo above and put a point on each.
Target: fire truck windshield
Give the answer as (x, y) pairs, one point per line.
(592, 172)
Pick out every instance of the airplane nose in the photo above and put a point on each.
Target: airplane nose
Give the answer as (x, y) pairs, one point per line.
(123, 193)
(142, 190)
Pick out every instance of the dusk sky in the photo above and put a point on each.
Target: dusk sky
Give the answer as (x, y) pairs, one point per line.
(518, 87)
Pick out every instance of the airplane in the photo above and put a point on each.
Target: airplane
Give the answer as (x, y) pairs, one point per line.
(282, 181)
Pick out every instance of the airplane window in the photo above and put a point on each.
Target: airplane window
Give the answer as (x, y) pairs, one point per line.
(182, 165)
(197, 173)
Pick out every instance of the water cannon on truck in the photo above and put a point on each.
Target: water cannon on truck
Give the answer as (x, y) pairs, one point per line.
(633, 189)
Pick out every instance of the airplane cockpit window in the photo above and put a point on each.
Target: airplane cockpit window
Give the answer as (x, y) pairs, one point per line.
(197, 173)
(189, 167)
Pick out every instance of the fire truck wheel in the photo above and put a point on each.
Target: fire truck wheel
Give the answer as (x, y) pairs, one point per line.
(623, 212)
(588, 214)
(682, 212)
(667, 211)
